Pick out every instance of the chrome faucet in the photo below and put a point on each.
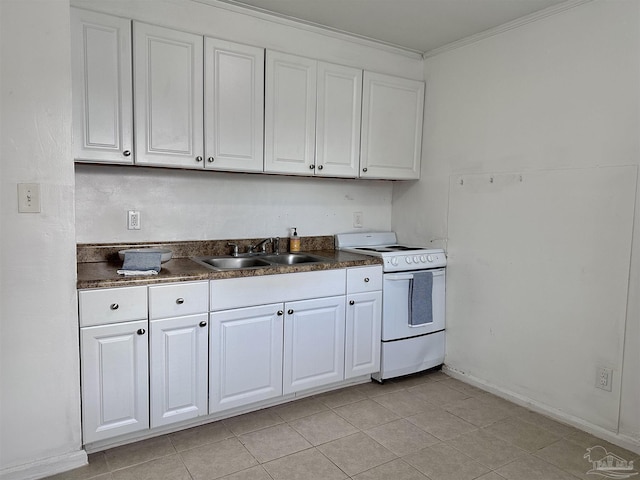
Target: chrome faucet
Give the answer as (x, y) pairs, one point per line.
(261, 243)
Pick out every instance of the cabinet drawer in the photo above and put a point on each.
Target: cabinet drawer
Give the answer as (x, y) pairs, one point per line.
(112, 305)
(364, 279)
(178, 299)
(249, 291)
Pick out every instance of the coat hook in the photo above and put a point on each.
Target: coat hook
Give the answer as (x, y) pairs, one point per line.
(490, 179)
(520, 177)
(461, 181)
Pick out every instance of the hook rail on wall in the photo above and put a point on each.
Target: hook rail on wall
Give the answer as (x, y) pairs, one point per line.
(494, 178)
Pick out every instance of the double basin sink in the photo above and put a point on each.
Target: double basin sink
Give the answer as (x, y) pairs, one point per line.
(257, 261)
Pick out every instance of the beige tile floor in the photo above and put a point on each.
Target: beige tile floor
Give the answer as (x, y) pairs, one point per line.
(426, 426)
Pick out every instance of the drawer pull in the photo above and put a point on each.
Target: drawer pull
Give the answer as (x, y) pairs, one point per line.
(114, 306)
(366, 279)
(142, 331)
(352, 302)
(180, 301)
(280, 313)
(290, 311)
(203, 324)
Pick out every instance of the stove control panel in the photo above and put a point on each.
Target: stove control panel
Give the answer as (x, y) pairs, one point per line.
(419, 261)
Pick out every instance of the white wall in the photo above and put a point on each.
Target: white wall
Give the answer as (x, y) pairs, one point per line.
(539, 269)
(39, 371)
(194, 205)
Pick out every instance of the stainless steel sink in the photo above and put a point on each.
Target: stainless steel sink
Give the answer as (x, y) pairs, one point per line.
(234, 263)
(293, 258)
(237, 263)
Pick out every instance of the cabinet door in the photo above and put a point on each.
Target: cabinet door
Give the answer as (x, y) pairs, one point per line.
(391, 127)
(313, 343)
(362, 334)
(178, 368)
(290, 114)
(234, 106)
(115, 382)
(245, 362)
(168, 71)
(102, 90)
(338, 120)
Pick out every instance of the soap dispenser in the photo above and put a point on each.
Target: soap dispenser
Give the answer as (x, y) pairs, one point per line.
(294, 241)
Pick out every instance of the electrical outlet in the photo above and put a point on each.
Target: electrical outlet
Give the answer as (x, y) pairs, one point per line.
(133, 220)
(357, 219)
(604, 378)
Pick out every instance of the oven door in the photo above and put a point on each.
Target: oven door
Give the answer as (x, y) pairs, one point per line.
(395, 306)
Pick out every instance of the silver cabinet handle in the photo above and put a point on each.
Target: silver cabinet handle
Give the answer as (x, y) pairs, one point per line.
(198, 158)
(352, 302)
(320, 167)
(366, 279)
(210, 159)
(290, 311)
(203, 324)
(142, 331)
(126, 153)
(280, 313)
(364, 169)
(312, 166)
(179, 301)
(114, 306)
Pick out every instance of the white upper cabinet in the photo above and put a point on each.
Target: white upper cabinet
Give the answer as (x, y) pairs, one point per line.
(234, 106)
(168, 92)
(290, 114)
(339, 105)
(102, 90)
(312, 117)
(392, 109)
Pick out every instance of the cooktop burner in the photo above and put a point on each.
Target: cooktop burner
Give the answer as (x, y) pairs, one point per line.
(390, 248)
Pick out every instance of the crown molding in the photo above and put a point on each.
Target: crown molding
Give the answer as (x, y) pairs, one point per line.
(519, 22)
(256, 12)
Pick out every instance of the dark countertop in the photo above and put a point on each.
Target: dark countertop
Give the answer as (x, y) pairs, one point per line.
(104, 274)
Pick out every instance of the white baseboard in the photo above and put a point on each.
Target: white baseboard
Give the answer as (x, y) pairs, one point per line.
(45, 467)
(623, 441)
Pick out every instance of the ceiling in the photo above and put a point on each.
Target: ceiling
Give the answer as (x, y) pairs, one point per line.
(419, 25)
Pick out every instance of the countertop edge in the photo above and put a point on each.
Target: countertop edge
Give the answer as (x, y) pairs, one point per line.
(104, 275)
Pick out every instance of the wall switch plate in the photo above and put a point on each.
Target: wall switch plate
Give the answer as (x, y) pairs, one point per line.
(133, 220)
(357, 219)
(604, 378)
(29, 198)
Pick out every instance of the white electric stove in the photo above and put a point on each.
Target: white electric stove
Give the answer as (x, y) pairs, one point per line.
(413, 278)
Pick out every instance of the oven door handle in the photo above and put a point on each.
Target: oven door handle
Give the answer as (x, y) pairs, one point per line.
(409, 276)
(398, 276)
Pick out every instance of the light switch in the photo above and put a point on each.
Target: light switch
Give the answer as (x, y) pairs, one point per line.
(29, 198)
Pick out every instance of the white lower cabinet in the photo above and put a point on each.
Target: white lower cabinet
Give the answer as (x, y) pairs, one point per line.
(115, 382)
(178, 368)
(364, 321)
(157, 355)
(313, 343)
(362, 334)
(245, 356)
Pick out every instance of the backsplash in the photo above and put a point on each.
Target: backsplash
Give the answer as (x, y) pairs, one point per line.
(184, 205)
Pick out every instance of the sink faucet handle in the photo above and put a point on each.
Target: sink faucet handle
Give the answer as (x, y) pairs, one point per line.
(235, 248)
(264, 244)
